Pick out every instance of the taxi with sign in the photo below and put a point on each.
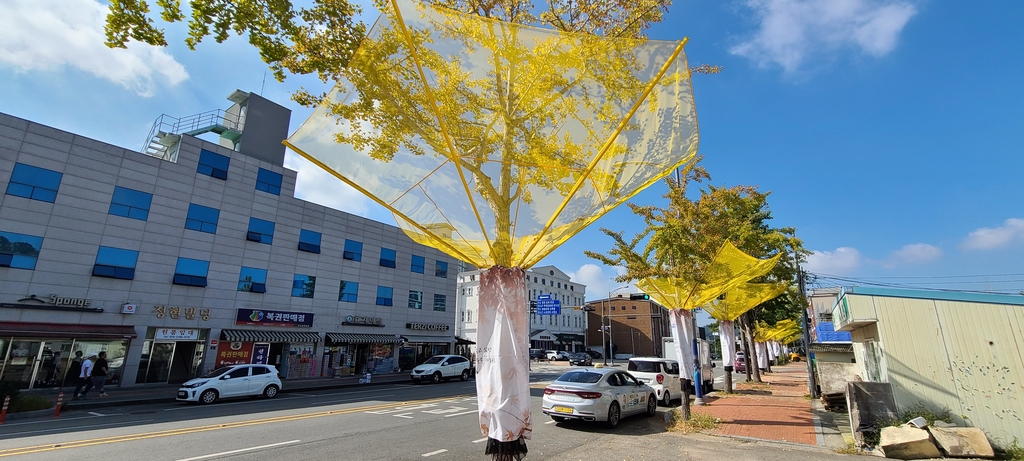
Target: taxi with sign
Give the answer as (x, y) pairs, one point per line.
(598, 394)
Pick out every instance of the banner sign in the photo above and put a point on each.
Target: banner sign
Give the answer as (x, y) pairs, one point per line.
(273, 318)
(233, 353)
(177, 333)
(260, 353)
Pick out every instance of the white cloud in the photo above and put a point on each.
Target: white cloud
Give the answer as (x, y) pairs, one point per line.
(987, 238)
(792, 30)
(598, 282)
(914, 253)
(316, 185)
(843, 261)
(46, 35)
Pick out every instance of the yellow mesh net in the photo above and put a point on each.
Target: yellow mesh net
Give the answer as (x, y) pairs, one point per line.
(742, 299)
(730, 269)
(783, 332)
(496, 142)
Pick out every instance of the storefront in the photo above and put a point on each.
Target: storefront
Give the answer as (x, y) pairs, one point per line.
(570, 342)
(359, 353)
(292, 352)
(171, 355)
(542, 339)
(38, 354)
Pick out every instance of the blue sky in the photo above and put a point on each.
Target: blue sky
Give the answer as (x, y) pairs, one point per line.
(887, 131)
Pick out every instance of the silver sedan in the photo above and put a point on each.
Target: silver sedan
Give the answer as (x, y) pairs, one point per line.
(598, 394)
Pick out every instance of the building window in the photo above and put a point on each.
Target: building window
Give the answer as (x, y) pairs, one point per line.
(309, 241)
(418, 264)
(212, 164)
(439, 303)
(115, 263)
(415, 300)
(268, 181)
(130, 203)
(387, 257)
(543, 281)
(202, 218)
(469, 291)
(353, 250)
(34, 183)
(252, 280)
(19, 251)
(261, 231)
(349, 292)
(191, 272)
(303, 286)
(441, 269)
(384, 296)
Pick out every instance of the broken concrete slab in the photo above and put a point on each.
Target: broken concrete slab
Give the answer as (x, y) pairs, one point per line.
(962, 442)
(905, 442)
(941, 423)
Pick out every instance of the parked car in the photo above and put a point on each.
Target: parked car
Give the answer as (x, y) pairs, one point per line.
(537, 354)
(661, 374)
(232, 381)
(597, 394)
(441, 367)
(740, 364)
(558, 355)
(580, 359)
(594, 354)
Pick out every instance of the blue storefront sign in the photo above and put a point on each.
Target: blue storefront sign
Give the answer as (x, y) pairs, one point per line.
(260, 352)
(273, 318)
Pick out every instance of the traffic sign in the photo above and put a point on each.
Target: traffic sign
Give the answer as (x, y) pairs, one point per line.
(548, 306)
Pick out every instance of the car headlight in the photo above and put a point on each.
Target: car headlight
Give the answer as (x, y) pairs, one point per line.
(195, 385)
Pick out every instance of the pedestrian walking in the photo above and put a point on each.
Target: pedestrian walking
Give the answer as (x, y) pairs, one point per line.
(99, 373)
(85, 378)
(74, 369)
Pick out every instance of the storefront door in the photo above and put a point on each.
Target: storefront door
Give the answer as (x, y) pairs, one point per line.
(183, 364)
(22, 361)
(160, 362)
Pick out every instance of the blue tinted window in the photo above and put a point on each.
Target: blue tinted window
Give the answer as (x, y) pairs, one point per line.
(202, 218)
(415, 300)
(19, 251)
(303, 286)
(115, 263)
(353, 250)
(309, 241)
(130, 203)
(191, 272)
(349, 292)
(35, 183)
(387, 257)
(384, 296)
(268, 181)
(418, 264)
(260, 231)
(441, 269)
(439, 302)
(212, 164)
(252, 279)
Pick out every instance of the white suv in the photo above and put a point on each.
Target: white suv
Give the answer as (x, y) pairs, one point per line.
(232, 381)
(441, 367)
(661, 374)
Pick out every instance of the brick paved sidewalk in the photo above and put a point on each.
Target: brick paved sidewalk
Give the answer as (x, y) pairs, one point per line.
(775, 410)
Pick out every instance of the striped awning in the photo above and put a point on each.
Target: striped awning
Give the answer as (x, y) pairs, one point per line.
(361, 338)
(267, 336)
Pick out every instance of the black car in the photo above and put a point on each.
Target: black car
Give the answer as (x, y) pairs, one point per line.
(538, 354)
(580, 359)
(594, 354)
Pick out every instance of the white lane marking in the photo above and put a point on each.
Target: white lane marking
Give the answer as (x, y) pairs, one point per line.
(66, 429)
(96, 414)
(463, 413)
(242, 450)
(306, 395)
(481, 440)
(437, 452)
(402, 408)
(445, 411)
(326, 402)
(404, 415)
(243, 402)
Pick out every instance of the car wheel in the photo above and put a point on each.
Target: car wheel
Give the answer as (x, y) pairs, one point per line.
(652, 405)
(666, 399)
(559, 419)
(465, 375)
(436, 378)
(613, 415)
(270, 392)
(208, 396)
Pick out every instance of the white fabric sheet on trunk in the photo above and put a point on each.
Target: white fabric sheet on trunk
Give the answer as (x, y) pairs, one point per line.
(727, 335)
(681, 321)
(762, 355)
(503, 355)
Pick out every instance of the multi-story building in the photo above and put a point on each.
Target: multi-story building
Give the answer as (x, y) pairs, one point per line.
(195, 254)
(634, 326)
(564, 332)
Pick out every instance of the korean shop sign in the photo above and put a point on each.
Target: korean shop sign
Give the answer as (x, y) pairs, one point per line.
(177, 333)
(267, 318)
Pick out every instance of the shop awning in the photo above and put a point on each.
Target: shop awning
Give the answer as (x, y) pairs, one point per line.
(569, 338)
(267, 336)
(428, 339)
(460, 341)
(63, 330)
(361, 338)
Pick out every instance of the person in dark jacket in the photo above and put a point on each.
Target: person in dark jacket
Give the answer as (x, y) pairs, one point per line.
(99, 373)
(74, 369)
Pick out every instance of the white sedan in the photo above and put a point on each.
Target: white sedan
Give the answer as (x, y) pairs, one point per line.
(598, 394)
(232, 381)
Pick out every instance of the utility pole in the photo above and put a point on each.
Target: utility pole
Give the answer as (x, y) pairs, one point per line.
(812, 387)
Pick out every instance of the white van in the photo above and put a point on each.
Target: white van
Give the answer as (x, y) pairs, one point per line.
(661, 374)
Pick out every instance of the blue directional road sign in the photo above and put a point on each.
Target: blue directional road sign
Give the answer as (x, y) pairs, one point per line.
(548, 306)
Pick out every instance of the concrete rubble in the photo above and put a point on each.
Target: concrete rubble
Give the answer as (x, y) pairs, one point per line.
(962, 442)
(907, 442)
(916, 440)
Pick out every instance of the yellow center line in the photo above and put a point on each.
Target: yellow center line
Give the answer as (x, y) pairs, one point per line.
(211, 427)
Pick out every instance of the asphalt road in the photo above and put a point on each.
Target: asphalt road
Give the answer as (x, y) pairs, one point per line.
(388, 422)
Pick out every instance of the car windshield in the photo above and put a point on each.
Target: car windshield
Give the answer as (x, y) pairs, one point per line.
(643, 366)
(580, 356)
(580, 377)
(217, 372)
(434, 360)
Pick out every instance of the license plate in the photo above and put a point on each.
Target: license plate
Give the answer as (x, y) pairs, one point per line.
(183, 394)
(561, 409)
